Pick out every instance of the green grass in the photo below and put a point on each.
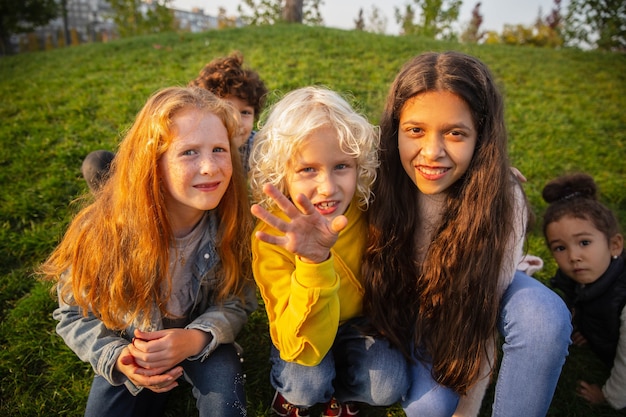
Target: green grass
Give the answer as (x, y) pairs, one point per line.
(565, 112)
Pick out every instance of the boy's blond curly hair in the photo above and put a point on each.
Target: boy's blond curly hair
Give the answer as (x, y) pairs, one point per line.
(291, 121)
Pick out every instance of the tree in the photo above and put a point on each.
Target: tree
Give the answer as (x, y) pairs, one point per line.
(268, 12)
(265, 12)
(540, 35)
(377, 21)
(292, 12)
(359, 23)
(159, 18)
(405, 20)
(597, 23)
(473, 33)
(516, 34)
(312, 14)
(545, 32)
(554, 20)
(225, 21)
(131, 21)
(436, 18)
(549, 31)
(23, 16)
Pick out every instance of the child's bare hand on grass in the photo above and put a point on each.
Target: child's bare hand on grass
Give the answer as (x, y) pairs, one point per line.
(578, 339)
(590, 392)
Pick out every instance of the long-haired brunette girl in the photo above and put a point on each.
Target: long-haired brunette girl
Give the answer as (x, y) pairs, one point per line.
(447, 228)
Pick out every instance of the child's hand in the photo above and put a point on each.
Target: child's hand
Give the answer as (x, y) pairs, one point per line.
(157, 352)
(158, 382)
(590, 392)
(518, 174)
(578, 339)
(309, 234)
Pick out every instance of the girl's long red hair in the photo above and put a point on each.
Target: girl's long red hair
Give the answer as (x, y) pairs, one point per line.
(113, 259)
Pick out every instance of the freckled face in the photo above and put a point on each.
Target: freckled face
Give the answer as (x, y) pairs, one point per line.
(324, 173)
(196, 169)
(436, 140)
(582, 252)
(246, 111)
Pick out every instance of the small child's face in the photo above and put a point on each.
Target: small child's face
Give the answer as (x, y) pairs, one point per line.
(246, 111)
(323, 173)
(580, 249)
(196, 168)
(436, 140)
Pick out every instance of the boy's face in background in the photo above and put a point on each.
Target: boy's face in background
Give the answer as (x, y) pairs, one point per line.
(323, 173)
(246, 111)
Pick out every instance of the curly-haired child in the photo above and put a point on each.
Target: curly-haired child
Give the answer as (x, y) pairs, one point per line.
(313, 165)
(583, 236)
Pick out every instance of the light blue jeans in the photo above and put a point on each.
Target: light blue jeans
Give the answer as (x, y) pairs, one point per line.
(536, 326)
(357, 368)
(218, 387)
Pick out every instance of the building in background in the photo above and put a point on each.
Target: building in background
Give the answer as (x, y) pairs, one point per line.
(91, 21)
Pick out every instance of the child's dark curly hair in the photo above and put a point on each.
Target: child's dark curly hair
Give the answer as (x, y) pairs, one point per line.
(226, 76)
(576, 195)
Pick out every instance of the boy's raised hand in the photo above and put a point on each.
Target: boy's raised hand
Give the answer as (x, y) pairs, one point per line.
(308, 234)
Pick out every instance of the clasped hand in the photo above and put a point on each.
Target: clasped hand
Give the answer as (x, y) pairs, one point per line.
(151, 360)
(308, 234)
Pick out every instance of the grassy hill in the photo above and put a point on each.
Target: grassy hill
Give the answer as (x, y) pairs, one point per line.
(565, 112)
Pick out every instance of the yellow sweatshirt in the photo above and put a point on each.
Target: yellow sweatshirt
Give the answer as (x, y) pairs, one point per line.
(305, 303)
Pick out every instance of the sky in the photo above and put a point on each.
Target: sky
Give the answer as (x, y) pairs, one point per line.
(342, 13)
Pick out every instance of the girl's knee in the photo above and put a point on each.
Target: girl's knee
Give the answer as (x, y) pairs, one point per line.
(433, 410)
(426, 397)
(222, 368)
(305, 386)
(390, 386)
(438, 402)
(534, 316)
(388, 390)
(557, 318)
(383, 375)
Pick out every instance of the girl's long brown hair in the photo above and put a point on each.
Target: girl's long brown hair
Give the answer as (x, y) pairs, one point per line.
(113, 259)
(444, 310)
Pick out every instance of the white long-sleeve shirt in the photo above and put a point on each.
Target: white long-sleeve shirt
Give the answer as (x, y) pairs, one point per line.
(614, 388)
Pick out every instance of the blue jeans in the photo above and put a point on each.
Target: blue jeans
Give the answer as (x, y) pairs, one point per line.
(217, 387)
(536, 326)
(357, 368)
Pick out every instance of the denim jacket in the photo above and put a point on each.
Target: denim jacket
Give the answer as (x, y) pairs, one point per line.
(92, 342)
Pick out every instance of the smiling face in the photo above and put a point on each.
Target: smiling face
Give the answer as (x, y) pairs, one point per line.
(436, 140)
(246, 111)
(582, 252)
(196, 168)
(323, 173)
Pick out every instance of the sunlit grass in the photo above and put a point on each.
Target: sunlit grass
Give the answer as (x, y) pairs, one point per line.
(565, 112)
